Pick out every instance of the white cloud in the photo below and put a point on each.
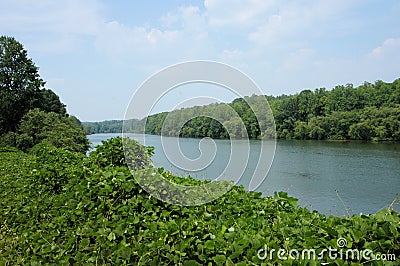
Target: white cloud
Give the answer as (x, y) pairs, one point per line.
(284, 45)
(72, 16)
(295, 61)
(117, 39)
(302, 19)
(169, 20)
(188, 38)
(389, 47)
(306, 70)
(229, 54)
(383, 61)
(238, 13)
(50, 26)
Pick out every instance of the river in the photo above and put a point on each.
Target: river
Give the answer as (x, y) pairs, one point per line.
(336, 178)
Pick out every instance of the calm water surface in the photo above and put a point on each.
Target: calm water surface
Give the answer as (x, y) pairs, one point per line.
(330, 177)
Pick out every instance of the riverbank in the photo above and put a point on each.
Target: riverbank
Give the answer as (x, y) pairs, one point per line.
(311, 171)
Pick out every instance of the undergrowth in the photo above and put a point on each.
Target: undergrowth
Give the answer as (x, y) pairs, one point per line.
(61, 208)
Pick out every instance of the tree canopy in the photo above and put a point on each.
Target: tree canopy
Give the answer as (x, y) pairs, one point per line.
(367, 112)
(21, 87)
(30, 113)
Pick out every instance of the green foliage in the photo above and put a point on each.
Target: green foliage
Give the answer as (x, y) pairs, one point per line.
(54, 166)
(154, 124)
(368, 112)
(21, 86)
(214, 120)
(363, 113)
(201, 127)
(361, 131)
(113, 126)
(59, 130)
(24, 141)
(301, 130)
(30, 113)
(111, 153)
(8, 139)
(100, 215)
(50, 102)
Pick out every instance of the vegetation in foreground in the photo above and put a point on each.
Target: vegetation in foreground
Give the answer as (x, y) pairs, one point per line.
(61, 207)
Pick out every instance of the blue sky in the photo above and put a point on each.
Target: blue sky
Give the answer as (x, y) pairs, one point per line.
(95, 53)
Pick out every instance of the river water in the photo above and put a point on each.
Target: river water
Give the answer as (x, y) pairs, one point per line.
(331, 177)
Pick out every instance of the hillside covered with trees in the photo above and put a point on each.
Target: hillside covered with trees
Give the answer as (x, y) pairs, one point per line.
(367, 112)
(370, 111)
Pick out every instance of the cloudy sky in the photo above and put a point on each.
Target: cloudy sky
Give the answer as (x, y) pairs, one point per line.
(96, 53)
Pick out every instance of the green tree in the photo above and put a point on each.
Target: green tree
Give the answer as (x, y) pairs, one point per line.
(21, 87)
(235, 127)
(317, 133)
(19, 83)
(361, 131)
(318, 114)
(301, 130)
(59, 130)
(48, 101)
(112, 153)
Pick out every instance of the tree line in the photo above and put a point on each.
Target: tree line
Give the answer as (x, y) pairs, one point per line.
(370, 111)
(110, 126)
(29, 112)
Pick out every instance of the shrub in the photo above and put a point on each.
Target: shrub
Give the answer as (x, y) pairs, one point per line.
(55, 166)
(111, 153)
(9, 139)
(24, 141)
(59, 130)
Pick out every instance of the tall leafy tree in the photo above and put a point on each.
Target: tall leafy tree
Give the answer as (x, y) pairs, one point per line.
(21, 87)
(48, 101)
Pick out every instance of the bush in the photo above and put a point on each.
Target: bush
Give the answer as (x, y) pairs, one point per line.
(111, 153)
(24, 141)
(9, 139)
(104, 217)
(55, 166)
(59, 130)
(317, 133)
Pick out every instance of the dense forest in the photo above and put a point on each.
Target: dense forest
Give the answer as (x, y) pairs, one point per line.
(370, 111)
(367, 112)
(111, 126)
